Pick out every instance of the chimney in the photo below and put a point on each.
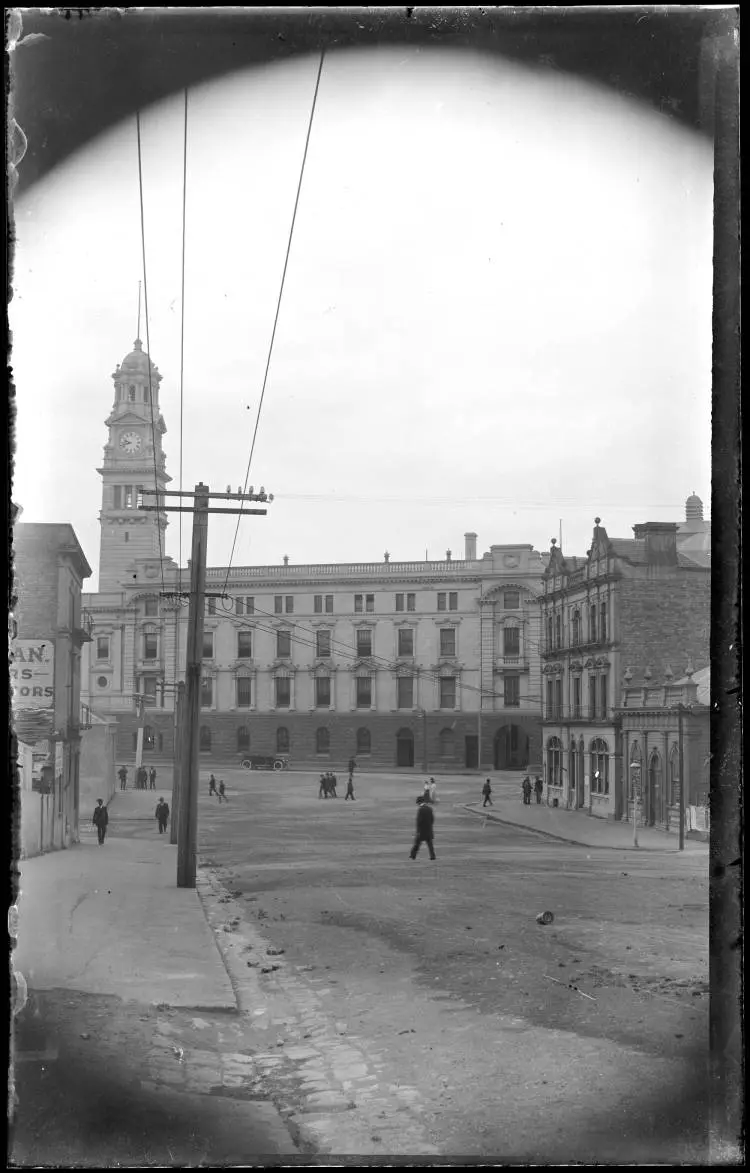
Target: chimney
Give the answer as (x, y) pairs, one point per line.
(661, 541)
(286, 559)
(471, 547)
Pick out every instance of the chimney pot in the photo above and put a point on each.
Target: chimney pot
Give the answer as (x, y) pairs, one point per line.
(471, 546)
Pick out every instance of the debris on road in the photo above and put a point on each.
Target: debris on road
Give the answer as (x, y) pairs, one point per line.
(273, 952)
(545, 918)
(570, 986)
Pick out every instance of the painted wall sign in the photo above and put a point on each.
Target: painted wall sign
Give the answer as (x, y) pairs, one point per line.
(32, 674)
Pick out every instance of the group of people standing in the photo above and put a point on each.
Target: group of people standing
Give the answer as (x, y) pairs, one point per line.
(220, 793)
(527, 787)
(144, 779)
(328, 782)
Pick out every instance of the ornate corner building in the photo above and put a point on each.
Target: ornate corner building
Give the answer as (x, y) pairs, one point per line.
(425, 665)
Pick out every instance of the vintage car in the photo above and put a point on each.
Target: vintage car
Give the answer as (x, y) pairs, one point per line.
(260, 761)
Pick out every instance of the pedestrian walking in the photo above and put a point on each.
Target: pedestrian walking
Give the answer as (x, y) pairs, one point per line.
(433, 791)
(212, 787)
(162, 814)
(152, 778)
(100, 819)
(527, 791)
(352, 768)
(486, 792)
(323, 788)
(538, 786)
(332, 785)
(350, 789)
(222, 792)
(122, 774)
(425, 827)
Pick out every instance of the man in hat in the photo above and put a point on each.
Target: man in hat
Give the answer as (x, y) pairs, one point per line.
(122, 774)
(425, 827)
(100, 819)
(538, 787)
(162, 814)
(527, 791)
(152, 779)
(486, 792)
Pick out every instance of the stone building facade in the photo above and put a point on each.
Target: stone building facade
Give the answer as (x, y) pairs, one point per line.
(618, 617)
(50, 625)
(415, 665)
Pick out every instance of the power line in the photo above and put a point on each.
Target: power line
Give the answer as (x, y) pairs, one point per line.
(278, 304)
(148, 338)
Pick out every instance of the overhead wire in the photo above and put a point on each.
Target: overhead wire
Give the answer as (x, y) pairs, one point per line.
(148, 342)
(278, 309)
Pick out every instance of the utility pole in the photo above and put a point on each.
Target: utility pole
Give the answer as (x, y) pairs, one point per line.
(680, 750)
(179, 724)
(188, 778)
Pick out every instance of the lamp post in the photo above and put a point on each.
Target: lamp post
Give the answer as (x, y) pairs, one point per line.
(635, 786)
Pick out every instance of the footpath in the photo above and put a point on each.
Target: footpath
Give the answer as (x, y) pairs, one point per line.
(581, 829)
(112, 962)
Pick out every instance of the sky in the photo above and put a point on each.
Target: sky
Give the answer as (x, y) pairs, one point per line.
(496, 315)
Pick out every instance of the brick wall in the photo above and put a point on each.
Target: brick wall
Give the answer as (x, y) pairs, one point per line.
(665, 620)
(343, 737)
(36, 585)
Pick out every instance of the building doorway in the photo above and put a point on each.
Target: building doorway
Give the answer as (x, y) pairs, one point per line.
(471, 742)
(511, 748)
(655, 812)
(404, 748)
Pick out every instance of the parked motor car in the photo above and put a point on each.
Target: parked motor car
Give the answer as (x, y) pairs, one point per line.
(260, 761)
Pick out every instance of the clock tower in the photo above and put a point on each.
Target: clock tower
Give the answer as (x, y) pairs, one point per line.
(133, 460)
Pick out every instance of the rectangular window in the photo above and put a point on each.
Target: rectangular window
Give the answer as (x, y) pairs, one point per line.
(364, 642)
(289, 604)
(207, 692)
(244, 645)
(239, 606)
(405, 692)
(511, 600)
(250, 605)
(369, 603)
(118, 497)
(511, 641)
(358, 603)
(511, 691)
(406, 641)
(211, 606)
(318, 604)
(364, 692)
(128, 498)
(453, 601)
(603, 697)
(441, 601)
(151, 608)
(102, 647)
(208, 645)
(550, 709)
(283, 692)
(322, 692)
(447, 692)
(278, 604)
(576, 696)
(283, 644)
(592, 698)
(448, 641)
(411, 602)
(243, 692)
(323, 644)
(399, 602)
(150, 646)
(329, 604)
(558, 699)
(149, 687)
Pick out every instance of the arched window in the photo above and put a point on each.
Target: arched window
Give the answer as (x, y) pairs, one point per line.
(148, 737)
(243, 739)
(592, 623)
(674, 776)
(558, 631)
(603, 623)
(549, 633)
(554, 762)
(576, 625)
(599, 766)
(282, 740)
(364, 741)
(131, 393)
(205, 739)
(322, 741)
(447, 743)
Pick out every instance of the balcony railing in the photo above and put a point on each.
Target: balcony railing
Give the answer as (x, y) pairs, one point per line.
(345, 569)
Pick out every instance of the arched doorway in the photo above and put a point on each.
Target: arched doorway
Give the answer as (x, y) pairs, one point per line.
(655, 791)
(404, 748)
(511, 748)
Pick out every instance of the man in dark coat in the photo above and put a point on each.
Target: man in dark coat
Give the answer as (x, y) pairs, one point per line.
(425, 827)
(527, 791)
(487, 791)
(122, 774)
(162, 814)
(100, 819)
(152, 779)
(538, 785)
(212, 787)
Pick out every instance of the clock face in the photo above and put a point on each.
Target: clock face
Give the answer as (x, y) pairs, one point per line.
(131, 442)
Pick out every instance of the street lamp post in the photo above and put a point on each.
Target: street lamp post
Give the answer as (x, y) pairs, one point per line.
(635, 786)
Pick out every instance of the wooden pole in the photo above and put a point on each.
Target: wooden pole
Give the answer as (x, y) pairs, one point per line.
(682, 777)
(188, 814)
(179, 733)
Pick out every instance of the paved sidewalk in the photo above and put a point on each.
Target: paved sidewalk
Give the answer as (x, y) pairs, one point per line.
(111, 920)
(582, 829)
